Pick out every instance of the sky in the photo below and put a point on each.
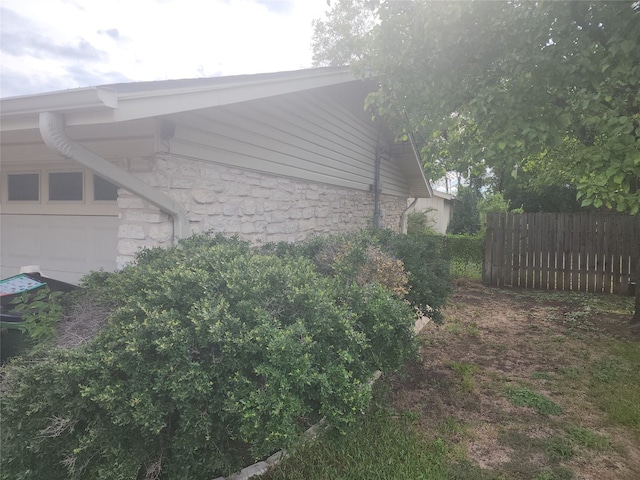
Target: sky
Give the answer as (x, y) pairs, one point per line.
(49, 45)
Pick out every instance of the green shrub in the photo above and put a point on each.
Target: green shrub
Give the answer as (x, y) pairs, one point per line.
(350, 256)
(214, 354)
(420, 222)
(427, 264)
(466, 255)
(40, 311)
(465, 248)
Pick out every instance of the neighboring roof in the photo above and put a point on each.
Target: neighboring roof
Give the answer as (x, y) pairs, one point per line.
(121, 102)
(445, 195)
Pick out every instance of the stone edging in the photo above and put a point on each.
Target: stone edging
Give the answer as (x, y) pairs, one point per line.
(312, 432)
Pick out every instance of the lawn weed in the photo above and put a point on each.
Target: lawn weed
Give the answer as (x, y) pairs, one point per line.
(525, 397)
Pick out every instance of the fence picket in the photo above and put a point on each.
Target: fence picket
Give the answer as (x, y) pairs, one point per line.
(580, 252)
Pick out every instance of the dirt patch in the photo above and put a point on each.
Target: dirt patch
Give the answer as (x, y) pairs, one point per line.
(495, 342)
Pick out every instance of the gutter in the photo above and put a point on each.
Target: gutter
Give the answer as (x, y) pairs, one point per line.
(52, 130)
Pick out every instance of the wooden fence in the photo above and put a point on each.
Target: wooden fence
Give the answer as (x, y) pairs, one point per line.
(558, 251)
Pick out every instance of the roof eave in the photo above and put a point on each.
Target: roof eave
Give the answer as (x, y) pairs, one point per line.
(118, 103)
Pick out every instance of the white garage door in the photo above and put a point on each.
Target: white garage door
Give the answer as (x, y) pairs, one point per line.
(65, 246)
(58, 216)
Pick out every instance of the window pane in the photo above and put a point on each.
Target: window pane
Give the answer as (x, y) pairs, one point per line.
(104, 189)
(24, 186)
(65, 186)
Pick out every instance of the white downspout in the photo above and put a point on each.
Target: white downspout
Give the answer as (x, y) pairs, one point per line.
(54, 135)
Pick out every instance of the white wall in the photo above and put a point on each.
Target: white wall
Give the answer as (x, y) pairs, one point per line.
(438, 210)
(258, 207)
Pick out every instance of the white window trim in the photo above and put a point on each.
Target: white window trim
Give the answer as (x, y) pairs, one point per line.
(87, 206)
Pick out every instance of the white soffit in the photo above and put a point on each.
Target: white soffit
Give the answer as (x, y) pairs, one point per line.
(130, 101)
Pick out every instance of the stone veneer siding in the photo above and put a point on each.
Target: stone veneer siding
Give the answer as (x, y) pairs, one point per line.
(258, 207)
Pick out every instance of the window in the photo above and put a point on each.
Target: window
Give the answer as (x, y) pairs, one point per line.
(23, 187)
(104, 190)
(65, 186)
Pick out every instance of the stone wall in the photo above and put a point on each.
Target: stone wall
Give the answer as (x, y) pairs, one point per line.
(258, 207)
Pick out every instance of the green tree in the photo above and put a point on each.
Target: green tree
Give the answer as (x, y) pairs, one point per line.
(528, 193)
(501, 83)
(466, 217)
(512, 85)
(343, 37)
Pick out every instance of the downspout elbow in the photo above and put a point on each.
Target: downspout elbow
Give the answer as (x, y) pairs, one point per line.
(52, 130)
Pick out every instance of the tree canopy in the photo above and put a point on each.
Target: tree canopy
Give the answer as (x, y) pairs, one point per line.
(547, 88)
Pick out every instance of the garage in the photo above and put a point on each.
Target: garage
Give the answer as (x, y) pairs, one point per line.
(62, 218)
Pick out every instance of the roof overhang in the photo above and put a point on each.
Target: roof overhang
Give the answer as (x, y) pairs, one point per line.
(407, 157)
(131, 101)
(123, 102)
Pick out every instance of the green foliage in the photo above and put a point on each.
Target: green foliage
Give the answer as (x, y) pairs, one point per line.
(40, 311)
(465, 248)
(382, 445)
(525, 397)
(559, 448)
(465, 371)
(539, 191)
(493, 203)
(615, 384)
(499, 86)
(214, 354)
(466, 254)
(588, 438)
(423, 258)
(341, 38)
(466, 216)
(418, 222)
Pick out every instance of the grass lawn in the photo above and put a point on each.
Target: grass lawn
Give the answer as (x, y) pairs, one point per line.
(515, 385)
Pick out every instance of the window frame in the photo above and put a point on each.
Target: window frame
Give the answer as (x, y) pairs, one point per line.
(62, 171)
(5, 186)
(87, 206)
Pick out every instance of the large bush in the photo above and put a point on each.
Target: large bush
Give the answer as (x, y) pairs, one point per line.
(426, 262)
(214, 354)
(414, 266)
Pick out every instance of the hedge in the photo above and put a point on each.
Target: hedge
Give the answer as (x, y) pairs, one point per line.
(215, 354)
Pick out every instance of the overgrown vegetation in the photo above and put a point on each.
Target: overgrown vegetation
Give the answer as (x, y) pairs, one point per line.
(352, 258)
(381, 445)
(525, 397)
(458, 411)
(39, 312)
(615, 384)
(215, 354)
(466, 253)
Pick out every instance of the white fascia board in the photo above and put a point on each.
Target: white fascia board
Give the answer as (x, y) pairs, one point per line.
(424, 182)
(164, 102)
(98, 105)
(21, 113)
(60, 101)
(444, 195)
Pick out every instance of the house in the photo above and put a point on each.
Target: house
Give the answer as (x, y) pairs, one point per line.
(90, 176)
(438, 209)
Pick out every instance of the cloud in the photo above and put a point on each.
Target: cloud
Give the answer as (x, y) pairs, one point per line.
(281, 7)
(85, 77)
(15, 83)
(69, 43)
(112, 33)
(19, 37)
